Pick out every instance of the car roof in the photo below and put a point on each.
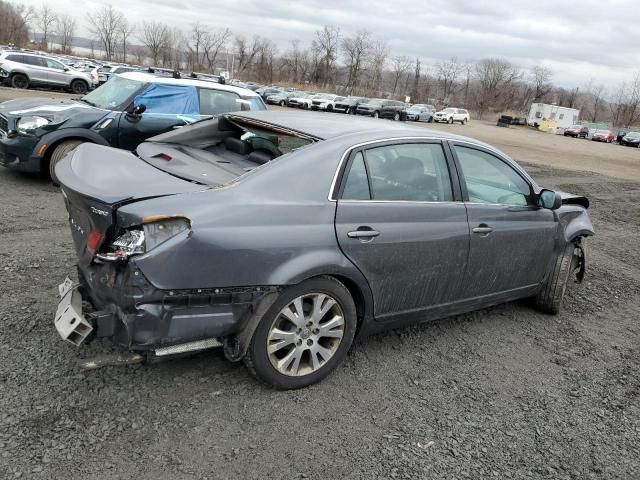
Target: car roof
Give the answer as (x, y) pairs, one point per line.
(325, 126)
(192, 82)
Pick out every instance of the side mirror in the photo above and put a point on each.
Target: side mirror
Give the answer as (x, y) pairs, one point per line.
(549, 199)
(135, 111)
(66, 69)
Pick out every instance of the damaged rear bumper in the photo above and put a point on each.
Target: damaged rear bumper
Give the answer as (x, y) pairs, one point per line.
(116, 301)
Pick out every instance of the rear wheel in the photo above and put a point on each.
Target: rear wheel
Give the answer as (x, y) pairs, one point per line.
(58, 154)
(304, 335)
(19, 80)
(549, 300)
(79, 87)
(464, 121)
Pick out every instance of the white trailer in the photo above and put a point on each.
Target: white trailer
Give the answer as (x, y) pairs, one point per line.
(563, 116)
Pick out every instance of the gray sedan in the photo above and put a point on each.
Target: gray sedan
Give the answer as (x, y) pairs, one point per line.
(284, 235)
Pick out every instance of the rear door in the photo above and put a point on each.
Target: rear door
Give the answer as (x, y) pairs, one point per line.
(512, 239)
(37, 69)
(400, 222)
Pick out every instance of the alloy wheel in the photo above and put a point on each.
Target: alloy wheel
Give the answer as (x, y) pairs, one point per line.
(306, 334)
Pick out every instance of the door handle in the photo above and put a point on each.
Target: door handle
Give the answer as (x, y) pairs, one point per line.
(363, 234)
(483, 228)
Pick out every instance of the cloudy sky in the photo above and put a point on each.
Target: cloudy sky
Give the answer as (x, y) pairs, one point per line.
(581, 41)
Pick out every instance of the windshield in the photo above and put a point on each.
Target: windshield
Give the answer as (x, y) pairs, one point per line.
(113, 94)
(450, 110)
(633, 135)
(577, 127)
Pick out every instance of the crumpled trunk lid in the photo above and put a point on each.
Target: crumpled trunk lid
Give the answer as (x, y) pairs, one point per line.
(97, 180)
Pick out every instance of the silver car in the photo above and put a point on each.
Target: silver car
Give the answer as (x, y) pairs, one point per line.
(22, 70)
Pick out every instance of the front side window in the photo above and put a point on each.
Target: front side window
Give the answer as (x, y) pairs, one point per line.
(408, 172)
(490, 180)
(54, 64)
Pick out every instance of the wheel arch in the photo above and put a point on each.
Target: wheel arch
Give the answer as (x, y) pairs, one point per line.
(51, 141)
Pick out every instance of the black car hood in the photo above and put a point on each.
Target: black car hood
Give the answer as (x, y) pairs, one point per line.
(71, 112)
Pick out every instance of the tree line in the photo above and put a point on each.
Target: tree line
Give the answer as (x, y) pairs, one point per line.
(334, 61)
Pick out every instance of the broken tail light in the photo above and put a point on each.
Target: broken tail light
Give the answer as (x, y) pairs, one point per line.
(144, 238)
(94, 240)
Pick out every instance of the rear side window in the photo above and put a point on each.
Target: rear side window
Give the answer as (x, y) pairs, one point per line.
(408, 172)
(217, 102)
(16, 58)
(357, 184)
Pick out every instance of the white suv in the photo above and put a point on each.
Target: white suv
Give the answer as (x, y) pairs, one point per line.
(21, 70)
(450, 115)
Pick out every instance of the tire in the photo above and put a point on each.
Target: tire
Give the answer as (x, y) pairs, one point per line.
(263, 364)
(79, 87)
(282, 103)
(58, 154)
(464, 121)
(450, 121)
(352, 111)
(396, 117)
(329, 108)
(20, 80)
(430, 119)
(306, 106)
(376, 114)
(549, 299)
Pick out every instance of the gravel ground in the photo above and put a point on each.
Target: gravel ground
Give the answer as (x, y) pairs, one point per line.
(502, 393)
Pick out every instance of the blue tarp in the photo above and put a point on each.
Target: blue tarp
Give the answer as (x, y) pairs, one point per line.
(169, 99)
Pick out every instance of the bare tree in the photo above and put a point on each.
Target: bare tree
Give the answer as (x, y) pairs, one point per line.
(415, 89)
(400, 67)
(625, 109)
(494, 76)
(46, 18)
(327, 41)
(14, 23)
(213, 44)
(105, 25)
(447, 73)
(66, 26)
(246, 52)
(356, 51)
(468, 73)
(595, 95)
(377, 62)
(154, 36)
(125, 31)
(541, 77)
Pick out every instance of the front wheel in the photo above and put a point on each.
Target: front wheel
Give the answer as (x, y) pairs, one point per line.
(376, 114)
(464, 121)
(282, 103)
(58, 154)
(450, 121)
(396, 116)
(304, 335)
(550, 298)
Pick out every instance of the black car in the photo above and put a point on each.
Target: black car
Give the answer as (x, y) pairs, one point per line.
(264, 92)
(381, 108)
(35, 133)
(630, 139)
(194, 242)
(349, 104)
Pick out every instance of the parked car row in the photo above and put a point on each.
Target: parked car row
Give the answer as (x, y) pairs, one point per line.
(625, 138)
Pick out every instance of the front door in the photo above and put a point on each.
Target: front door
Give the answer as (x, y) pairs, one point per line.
(397, 220)
(512, 239)
(56, 73)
